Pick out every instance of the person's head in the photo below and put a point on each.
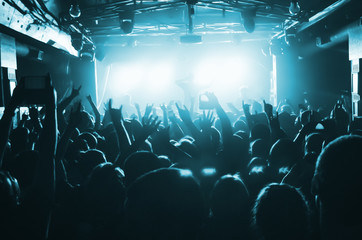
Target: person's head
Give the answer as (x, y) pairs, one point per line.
(283, 153)
(242, 134)
(23, 168)
(19, 139)
(75, 148)
(311, 158)
(165, 161)
(230, 199)
(280, 212)
(256, 107)
(260, 131)
(90, 139)
(341, 116)
(215, 138)
(304, 117)
(188, 146)
(257, 162)
(355, 125)
(287, 108)
(239, 152)
(165, 204)
(260, 148)
(337, 185)
(104, 193)
(89, 160)
(9, 203)
(9, 192)
(240, 125)
(139, 163)
(86, 122)
(314, 143)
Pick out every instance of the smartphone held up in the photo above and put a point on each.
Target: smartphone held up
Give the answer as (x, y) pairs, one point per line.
(34, 89)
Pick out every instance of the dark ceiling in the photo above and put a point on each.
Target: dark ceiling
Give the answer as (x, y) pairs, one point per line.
(162, 22)
(215, 20)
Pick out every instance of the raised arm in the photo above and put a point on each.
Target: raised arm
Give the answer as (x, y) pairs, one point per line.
(227, 130)
(185, 116)
(95, 112)
(138, 109)
(44, 179)
(34, 118)
(234, 109)
(124, 142)
(273, 121)
(7, 120)
(165, 115)
(249, 121)
(74, 119)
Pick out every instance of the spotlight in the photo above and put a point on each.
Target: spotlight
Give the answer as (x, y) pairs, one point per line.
(249, 25)
(249, 21)
(126, 20)
(294, 7)
(77, 40)
(87, 52)
(100, 53)
(74, 10)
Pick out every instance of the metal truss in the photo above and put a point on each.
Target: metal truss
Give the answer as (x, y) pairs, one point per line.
(270, 15)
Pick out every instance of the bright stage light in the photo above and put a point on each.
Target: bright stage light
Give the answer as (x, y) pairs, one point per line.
(146, 82)
(223, 76)
(159, 77)
(125, 78)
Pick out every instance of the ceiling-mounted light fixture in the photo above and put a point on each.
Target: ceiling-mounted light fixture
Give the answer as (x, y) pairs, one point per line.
(249, 19)
(77, 40)
(87, 52)
(126, 21)
(74, 10)
(294, 7)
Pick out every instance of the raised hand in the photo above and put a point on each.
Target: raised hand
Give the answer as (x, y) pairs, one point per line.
(75, 116)
(89, 98)
(148, 110)
(268, 109)
(149, 125)
(274, 121)
(116, 114)
(163, 135)
(75, 91)
(184, 113)
(34, 117)
(137, 106)
(15, 100)
(33, 113)
(246, 108)
(24, 117)
(163, 108)
(207, 120)
(213, 101)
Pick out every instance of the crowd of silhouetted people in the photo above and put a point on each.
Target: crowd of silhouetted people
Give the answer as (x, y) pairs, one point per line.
(259, 172)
